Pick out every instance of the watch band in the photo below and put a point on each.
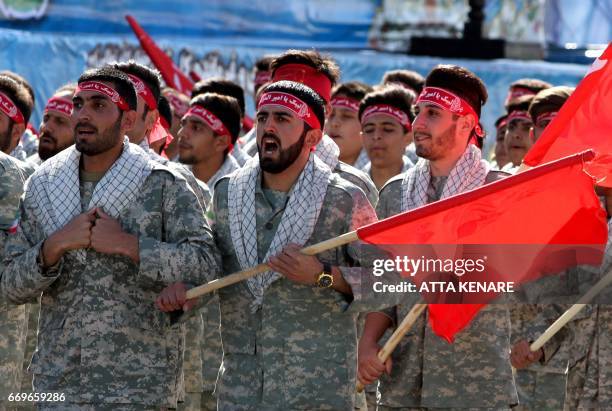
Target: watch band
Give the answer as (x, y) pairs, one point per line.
(327, 269)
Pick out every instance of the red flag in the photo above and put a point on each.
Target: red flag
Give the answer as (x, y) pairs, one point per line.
(584, 122)
(534, 223)
(170, 72)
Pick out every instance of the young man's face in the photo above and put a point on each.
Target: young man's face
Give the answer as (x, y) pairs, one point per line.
(501, 156)
(97, 122)
(196, 140)
(517, 140)
(538, 128)
(280, 138)
(344, 128)
(434, 131)
(384, 139)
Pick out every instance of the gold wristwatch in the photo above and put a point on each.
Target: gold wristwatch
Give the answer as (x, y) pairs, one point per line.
(325, 279)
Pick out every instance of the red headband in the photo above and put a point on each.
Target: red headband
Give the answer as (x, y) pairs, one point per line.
(108, 91)
(178, 105)
(209, 118)
(516, 92)
(291, 102)
(143, 91)
(345, 102)
(60, 105)
(519, 115)
(451, 102)
(309, 76)
(262, 77)
(387, 110)
(546, 116)
(10, 109)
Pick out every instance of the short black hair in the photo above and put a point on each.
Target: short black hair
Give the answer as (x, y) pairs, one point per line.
(461, 82)
(532, 84)
(304, 93)
(165, 111)
(225, 107)
(407, 78)
(120, 81)
(522, 103)
(549, 100)
(263, 63)
(222, 86)
(500, 119)
(21, 80)
(352, 89)
(148, 75)
(19, 95)
(392, 95)
(68, 87)
(322, 63)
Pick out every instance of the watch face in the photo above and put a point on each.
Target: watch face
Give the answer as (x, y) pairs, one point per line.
(325, 280)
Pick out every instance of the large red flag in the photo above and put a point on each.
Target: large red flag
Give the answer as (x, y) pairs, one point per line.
(534, 223)
(584, 122)
(170, 72)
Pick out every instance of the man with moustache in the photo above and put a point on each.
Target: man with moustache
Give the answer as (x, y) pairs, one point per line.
(321, 73)
(288, 341)
(425, 372)
(343, 124)
(386, 126)
(56, 128)
(148, 88)
(103, 229)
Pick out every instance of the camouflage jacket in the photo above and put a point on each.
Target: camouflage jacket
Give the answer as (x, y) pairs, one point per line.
(12, 318)
(299, 350)
(101, 340)
(428, 372)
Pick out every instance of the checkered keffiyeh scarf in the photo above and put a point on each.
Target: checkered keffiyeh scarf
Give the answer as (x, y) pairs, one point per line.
(469, 173)
(328, 151)
(296, 225)
(228, 167)
(55, 194)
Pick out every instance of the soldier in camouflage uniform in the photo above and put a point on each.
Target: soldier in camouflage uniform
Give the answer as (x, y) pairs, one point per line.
(288, 340)
(14, 112)
(541, 386)
(208, 132)
(103, 229)
(13, 321)
(588, 336)
(425, 372)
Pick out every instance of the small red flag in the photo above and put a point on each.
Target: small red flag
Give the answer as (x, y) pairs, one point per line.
(535, 223)
(584, 122)
(170, 72)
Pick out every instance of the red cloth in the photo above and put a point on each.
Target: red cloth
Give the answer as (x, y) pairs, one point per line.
(584, 122)
(170, 72)
(549, 215)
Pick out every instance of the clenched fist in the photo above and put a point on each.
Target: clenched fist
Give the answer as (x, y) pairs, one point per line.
(73, 236)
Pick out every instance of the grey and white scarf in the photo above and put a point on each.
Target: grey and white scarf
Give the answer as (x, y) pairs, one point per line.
(228, 167)
(469, 173)
(362, 160)
(55, 194)
(296, 225)
(328, 151)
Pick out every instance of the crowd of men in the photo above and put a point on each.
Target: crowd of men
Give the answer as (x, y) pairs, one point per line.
(130, 193)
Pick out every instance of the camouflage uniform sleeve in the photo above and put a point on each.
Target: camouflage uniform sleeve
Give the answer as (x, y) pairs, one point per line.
(23, 277)
(544, 318)
(187, 252)
(360, 277)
